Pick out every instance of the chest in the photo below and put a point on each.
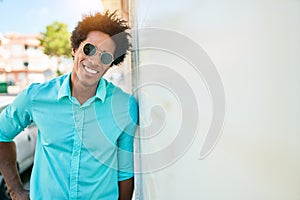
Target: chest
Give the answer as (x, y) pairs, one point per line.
(60, 124)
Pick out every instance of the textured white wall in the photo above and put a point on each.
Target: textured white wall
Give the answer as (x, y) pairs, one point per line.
(255, 46)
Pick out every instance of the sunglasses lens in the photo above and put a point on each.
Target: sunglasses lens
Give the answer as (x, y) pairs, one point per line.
(106, 58)
(89, 49)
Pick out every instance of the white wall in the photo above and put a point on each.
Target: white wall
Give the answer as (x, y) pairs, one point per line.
(255, 46)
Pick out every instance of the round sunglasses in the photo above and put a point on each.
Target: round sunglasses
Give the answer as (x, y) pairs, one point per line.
(106, 58)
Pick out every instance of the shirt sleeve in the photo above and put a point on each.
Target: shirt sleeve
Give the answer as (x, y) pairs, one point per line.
(125, 144)
(15, 117)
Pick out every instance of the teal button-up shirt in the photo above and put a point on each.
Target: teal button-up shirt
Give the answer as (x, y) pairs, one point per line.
(83, 150)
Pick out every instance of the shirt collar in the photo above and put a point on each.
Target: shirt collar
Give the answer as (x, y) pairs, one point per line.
(65, 89)
(101, 90)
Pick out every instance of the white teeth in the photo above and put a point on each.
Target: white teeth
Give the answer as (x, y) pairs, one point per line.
(90, 70)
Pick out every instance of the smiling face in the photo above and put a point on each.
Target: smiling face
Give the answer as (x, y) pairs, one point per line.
(88, 70)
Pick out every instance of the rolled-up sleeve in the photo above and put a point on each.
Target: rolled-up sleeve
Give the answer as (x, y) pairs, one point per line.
(15, 117)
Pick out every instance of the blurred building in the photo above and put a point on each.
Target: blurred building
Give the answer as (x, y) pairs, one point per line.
(23, 62)
(122, 7)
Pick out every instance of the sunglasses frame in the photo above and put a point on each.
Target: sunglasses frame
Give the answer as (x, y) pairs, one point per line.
(96, 50)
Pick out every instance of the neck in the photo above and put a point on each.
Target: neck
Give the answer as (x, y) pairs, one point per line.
(80, 91)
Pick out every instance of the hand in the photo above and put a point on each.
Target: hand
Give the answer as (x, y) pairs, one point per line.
(22, 194)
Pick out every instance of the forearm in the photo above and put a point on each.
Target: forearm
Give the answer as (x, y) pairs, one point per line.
(8, 166)
(126, 189)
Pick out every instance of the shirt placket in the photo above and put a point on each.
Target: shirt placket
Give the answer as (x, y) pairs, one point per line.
(78, 113)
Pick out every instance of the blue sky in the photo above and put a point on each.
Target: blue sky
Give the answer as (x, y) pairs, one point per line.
(32, 16)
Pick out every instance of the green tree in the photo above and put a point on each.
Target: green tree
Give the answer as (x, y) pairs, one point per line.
(56, 42)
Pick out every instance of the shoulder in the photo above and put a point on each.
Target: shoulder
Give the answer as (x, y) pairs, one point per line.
(116, 94)
(122, 103)
(48, 89)
(38, 91)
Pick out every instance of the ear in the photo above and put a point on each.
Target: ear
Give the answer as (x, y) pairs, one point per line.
(74, 51)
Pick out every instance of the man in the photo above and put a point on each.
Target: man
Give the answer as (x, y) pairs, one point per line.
(86, 124)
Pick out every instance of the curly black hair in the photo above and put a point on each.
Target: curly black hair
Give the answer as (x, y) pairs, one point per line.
(108, 23)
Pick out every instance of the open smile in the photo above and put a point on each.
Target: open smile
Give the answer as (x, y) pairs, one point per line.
(90, 70)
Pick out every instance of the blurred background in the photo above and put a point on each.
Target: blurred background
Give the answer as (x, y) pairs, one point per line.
(34, 40)
(255, 47)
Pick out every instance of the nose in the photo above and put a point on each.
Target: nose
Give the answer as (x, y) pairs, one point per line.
(94, 59)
